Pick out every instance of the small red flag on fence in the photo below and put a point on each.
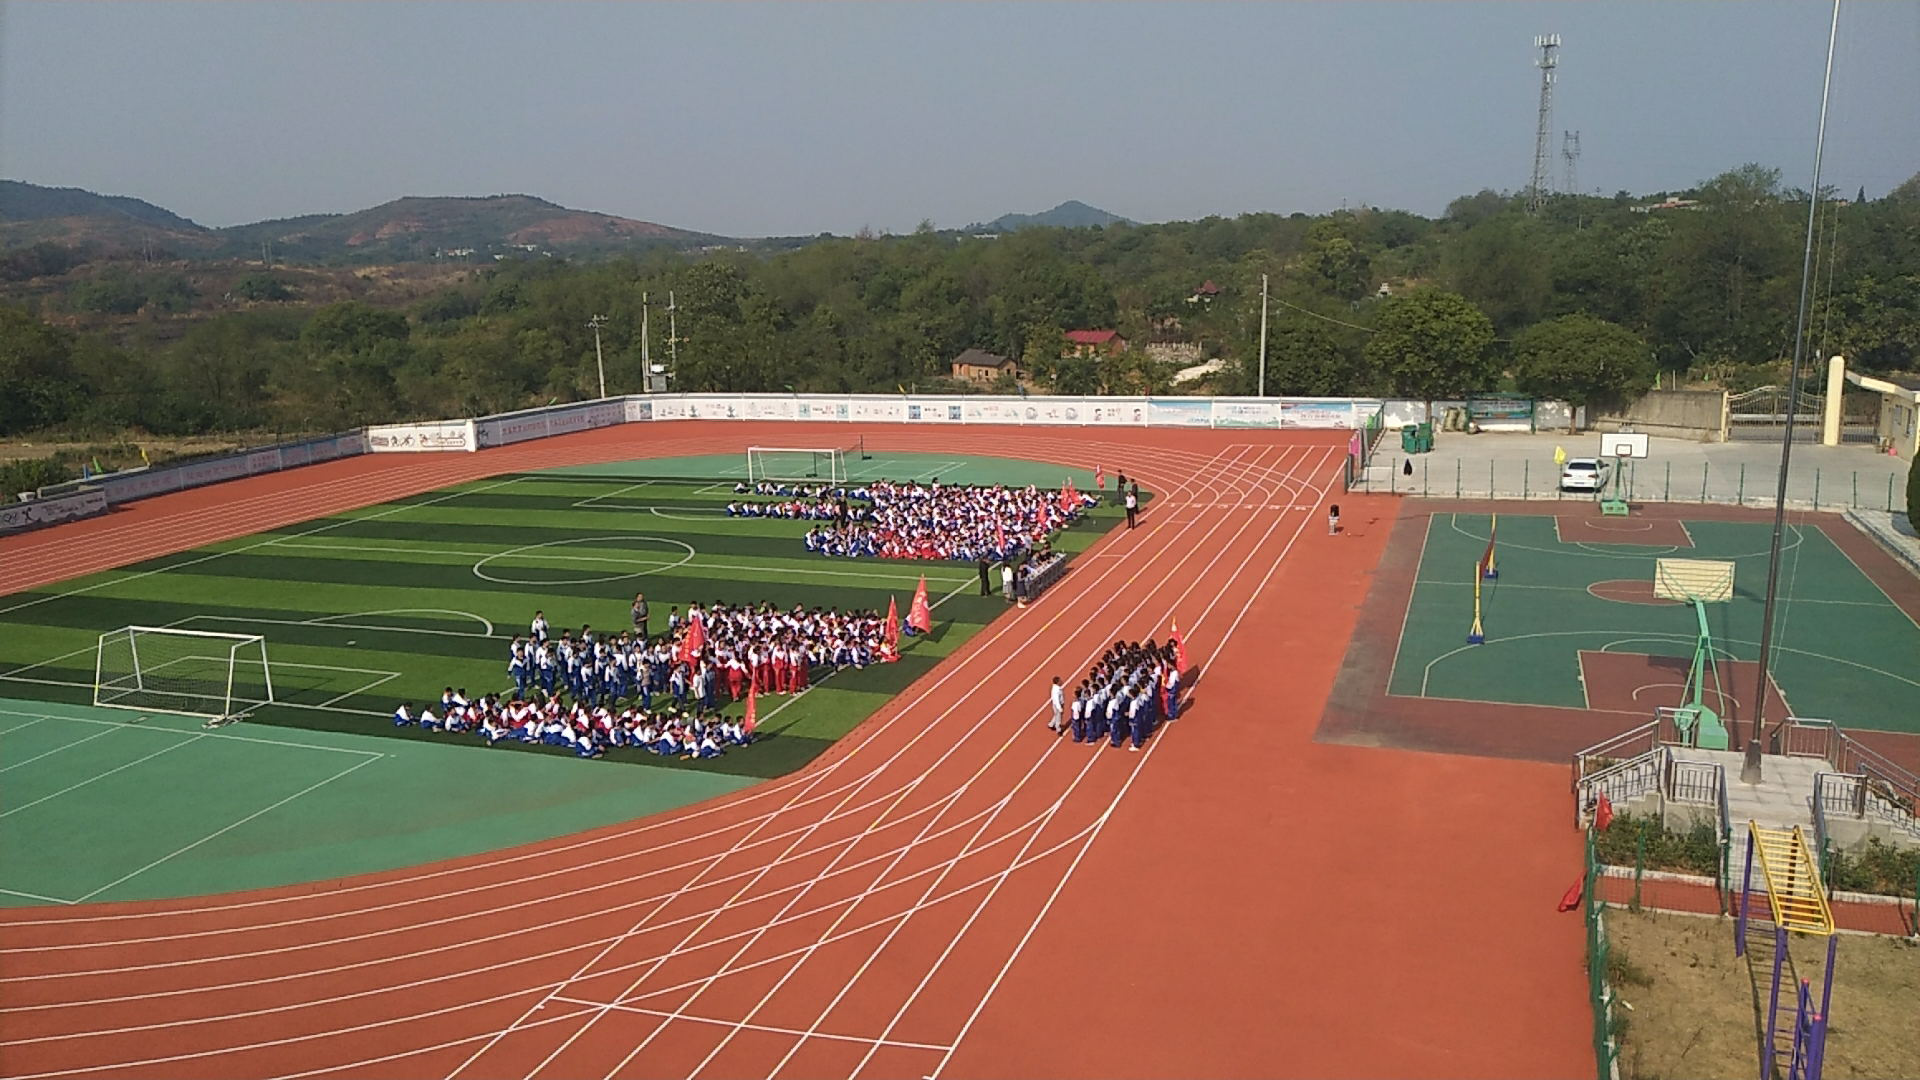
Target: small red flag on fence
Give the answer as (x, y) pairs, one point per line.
(1603, 813)
(1572, 898)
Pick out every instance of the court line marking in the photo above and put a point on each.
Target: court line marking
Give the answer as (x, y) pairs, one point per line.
(22, 727)
(57, 749)
(328, 620)
(196, 734)
(753, 1027)
(36, 896)
(91, 779)
(227, 829)
(1419, 564)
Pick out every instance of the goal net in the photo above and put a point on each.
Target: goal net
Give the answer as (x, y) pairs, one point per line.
(796, 465)
(190, 672)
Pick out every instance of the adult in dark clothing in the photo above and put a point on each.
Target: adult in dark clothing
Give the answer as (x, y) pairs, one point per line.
(986, 583)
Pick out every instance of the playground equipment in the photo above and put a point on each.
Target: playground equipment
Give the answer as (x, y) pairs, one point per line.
(1698, 582)
(1484, 569)
(1796, 904)
(1624, 447)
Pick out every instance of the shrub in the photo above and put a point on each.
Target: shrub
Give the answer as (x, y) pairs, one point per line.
(1876, 868)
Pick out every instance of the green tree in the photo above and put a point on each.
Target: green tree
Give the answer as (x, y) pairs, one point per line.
(1306, 357)
(1585, 360)
(1430, 344)
(36, 371)
(262, 287)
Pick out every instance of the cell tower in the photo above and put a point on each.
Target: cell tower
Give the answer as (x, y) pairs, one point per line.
(1570, 162)
(1539, 186)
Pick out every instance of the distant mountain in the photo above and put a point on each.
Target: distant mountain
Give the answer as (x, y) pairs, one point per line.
(402, 230)
(1071, 214)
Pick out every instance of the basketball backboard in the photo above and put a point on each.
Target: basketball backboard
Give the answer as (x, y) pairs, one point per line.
(1623, 444)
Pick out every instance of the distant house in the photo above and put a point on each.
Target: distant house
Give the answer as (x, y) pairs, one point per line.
(1673, 203)
(1205, 293)
(979, 365)
(1094, 343)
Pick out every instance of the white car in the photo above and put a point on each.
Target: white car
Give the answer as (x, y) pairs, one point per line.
(1585, 474)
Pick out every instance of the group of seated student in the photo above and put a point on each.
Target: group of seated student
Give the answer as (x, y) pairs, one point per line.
(1129, 692)
(589, 731)
(745, 647)
(947, 521)
(800, 509)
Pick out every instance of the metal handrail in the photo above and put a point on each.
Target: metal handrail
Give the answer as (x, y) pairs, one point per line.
(1821, 840)
(1621, 782)
(1616, 749)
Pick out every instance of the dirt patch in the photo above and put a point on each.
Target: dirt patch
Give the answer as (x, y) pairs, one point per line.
(1693, 1007)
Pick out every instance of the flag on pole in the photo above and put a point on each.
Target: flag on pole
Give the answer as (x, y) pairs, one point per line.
(696, 639)
(1571, 899)
(753, 711)
(143, 457)
(1100, 477)
(1603, 813)
(1000, 537)
(96, 466)
(920, 615)
(892, 633)
(1179, 649)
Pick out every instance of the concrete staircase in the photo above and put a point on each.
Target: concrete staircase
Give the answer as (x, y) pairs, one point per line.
(1782, 798)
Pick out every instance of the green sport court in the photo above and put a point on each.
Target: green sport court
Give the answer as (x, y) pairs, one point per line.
(389, 603)
(1572, 621)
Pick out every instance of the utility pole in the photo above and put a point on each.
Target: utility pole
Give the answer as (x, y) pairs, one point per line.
(1549, 46)
(673, 337)
(646, 350)
(1263, 337)
(599, 360)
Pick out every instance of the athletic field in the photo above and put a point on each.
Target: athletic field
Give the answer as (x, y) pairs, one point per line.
(391, 603)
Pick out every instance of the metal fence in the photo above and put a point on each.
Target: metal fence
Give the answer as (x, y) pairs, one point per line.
(1600, 995)
(1646, 482)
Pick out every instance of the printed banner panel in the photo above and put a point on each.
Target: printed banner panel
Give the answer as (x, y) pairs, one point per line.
(1109, 412)
(935, 410)
(639, 410)
(822, 408)
(15, 517)
(1245, 413)
(1180, 412)
(1317, 413)
(891, 410)
(447, 435)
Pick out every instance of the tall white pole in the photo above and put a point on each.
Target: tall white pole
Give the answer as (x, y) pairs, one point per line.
(673, 335)
(1263, 336)
(598, 359)
(646, 350)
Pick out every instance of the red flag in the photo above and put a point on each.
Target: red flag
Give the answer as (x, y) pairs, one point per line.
(1572, 898)
(1100, 477)
(920, 615)
(1000, 534)
(1066, 498)
(1603, 813)
(1179, 648)
(753, 712)
(696, 639)
(892, 632)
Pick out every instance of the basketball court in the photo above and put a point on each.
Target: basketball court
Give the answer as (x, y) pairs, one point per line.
(1598, 616)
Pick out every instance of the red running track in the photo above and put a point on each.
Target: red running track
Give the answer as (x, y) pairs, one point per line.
(950, 891)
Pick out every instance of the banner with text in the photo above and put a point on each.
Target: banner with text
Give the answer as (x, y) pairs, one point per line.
(17, 517)
(418, 438)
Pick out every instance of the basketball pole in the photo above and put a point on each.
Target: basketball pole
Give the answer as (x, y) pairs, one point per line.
(1793, 398)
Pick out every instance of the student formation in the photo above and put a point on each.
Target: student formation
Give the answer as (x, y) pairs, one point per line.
(1127, 695)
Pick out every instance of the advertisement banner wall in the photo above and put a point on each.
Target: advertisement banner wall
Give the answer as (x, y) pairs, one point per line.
(1247, 413)
(16, 517)
(1316, 414)
(445, 435)
(1180, 412)
(822, 408)
(639, 410)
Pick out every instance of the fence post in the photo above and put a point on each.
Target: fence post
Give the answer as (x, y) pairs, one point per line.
(1456, 477)
(1854, 502)
(1393, 480)
(1889, 493)
(1525, 480)
(1816, 489)
(1426, 484)
(1639, 864)
(1491, 489)
(1666, 492)
(1740, 491)
(1704, 467)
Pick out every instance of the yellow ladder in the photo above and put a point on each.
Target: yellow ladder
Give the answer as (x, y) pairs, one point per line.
(1792, 873)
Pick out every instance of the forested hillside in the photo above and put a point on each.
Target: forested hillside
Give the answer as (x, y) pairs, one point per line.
(1585, 300)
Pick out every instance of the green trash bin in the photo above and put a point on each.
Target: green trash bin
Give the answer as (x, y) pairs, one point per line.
(1410, 438)
(1426, 437)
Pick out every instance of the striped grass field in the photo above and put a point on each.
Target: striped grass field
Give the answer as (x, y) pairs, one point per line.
(392, 603)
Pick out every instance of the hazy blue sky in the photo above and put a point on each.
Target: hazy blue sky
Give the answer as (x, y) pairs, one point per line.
(752, 119)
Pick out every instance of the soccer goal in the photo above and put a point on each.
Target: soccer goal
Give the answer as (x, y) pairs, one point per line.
(190, 672)
(796, 465)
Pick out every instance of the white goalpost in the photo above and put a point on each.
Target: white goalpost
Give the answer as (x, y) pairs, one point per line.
(189, 672)
(796, 464)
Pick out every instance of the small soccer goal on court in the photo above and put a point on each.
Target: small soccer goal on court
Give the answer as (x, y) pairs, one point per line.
(188, 672)
(786, 464)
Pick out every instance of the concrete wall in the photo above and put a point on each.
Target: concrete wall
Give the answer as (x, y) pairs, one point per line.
(1686, 414)
(1900, 425)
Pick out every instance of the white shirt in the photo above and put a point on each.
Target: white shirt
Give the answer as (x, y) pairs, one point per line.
(1059, 697)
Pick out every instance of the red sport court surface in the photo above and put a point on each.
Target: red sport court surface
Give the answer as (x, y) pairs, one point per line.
(950, 891)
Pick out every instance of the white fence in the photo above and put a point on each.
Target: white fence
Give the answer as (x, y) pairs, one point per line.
(17, 517)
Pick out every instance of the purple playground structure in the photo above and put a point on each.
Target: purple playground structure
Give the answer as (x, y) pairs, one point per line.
(1794, 1042)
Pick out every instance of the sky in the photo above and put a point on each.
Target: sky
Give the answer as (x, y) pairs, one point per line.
(790, 119)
